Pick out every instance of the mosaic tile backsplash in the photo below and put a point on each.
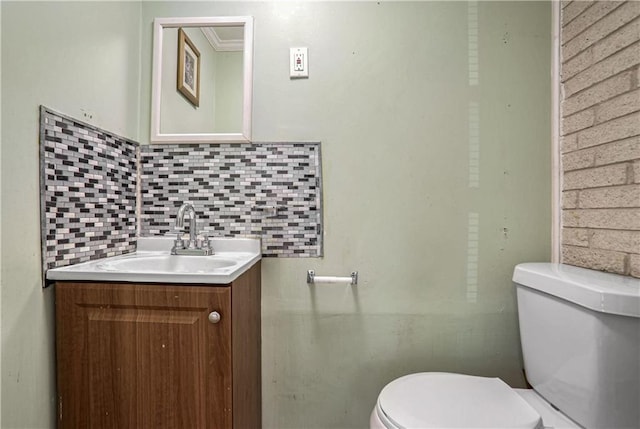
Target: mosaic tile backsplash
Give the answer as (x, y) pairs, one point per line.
(270, 190)
(88, 191)
(89, 203)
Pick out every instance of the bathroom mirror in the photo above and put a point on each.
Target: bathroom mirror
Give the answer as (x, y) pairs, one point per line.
(202, 80)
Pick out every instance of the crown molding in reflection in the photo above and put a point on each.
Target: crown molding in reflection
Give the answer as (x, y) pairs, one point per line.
(218, 44)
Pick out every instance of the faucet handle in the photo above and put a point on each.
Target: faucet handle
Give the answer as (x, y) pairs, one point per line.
(178, 243)
(206, 242)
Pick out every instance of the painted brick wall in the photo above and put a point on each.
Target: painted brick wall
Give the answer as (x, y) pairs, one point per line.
(600, 129)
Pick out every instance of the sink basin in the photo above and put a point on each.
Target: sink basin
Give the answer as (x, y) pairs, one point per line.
(168, 264)
(153, 263)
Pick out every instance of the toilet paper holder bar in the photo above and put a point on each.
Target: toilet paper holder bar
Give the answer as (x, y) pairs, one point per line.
(312, 278)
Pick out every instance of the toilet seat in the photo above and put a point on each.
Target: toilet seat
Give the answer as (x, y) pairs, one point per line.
(445, 400)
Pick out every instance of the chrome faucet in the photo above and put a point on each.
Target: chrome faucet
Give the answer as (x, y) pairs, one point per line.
(193, 246)
(187, 209)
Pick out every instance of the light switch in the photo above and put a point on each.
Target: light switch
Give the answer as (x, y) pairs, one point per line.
(299, 63)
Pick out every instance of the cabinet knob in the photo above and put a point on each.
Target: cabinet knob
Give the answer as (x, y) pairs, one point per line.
(214, 317)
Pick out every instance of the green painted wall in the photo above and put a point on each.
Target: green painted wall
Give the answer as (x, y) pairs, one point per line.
(1, 288)
(389, 97)
(78, 58)
(229, 98)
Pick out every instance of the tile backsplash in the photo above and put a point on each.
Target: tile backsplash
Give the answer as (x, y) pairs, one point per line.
(89, 181)
(88, 191)
(271, 190)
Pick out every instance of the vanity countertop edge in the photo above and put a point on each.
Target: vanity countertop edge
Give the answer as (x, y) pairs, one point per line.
(242, 252)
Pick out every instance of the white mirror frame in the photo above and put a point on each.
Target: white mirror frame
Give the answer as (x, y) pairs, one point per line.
(245, 135)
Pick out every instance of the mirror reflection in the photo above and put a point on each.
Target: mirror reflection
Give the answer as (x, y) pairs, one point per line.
(202, 76)
(216, 75)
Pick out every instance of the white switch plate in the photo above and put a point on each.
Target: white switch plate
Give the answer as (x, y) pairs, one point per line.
(299, 62)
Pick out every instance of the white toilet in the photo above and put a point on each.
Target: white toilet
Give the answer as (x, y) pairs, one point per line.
(580, 334)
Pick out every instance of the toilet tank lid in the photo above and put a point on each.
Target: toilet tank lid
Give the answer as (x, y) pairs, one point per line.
(596, 290)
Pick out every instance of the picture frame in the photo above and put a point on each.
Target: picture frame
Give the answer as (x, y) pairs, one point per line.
(188, 68)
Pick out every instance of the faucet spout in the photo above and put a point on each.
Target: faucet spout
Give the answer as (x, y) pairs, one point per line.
(187, 209)
(194, 248)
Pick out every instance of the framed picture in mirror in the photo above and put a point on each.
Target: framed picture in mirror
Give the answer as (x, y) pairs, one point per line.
(188, 68)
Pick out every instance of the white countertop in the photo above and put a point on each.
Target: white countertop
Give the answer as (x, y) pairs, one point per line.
(153, 263)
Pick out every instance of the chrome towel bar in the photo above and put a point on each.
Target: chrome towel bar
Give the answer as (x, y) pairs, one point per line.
(313, 278)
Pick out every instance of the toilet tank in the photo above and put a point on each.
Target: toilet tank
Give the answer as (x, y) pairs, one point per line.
(580, 335)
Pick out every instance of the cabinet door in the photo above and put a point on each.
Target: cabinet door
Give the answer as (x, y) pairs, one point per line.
(143, 356)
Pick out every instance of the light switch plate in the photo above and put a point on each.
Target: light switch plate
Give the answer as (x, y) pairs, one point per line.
(299, 62)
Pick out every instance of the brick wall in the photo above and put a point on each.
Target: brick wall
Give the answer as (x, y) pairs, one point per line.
(600, 135)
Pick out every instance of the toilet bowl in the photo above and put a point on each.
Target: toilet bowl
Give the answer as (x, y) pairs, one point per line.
(579, 333)
(438, 400)
(445, 400)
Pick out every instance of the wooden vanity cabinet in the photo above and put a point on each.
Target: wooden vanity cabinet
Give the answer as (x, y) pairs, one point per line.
(147, 356)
